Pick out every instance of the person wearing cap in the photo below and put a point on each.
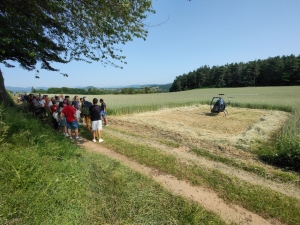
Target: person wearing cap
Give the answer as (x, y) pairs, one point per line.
(86, 113)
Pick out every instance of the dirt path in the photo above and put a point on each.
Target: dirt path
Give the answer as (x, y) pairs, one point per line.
(207, 198)
(188, 127)
(183, 153)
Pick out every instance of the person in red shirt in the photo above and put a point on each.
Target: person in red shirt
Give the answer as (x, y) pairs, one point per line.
(70, 114)
(53, 107)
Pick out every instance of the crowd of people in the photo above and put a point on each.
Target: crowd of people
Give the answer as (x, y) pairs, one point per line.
(68, 114)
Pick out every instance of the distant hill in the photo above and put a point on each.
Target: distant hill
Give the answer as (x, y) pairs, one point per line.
(23, 89)
(164, 87)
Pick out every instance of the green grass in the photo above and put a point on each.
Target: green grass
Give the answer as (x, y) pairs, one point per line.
(275, 175)
(255, 198)
(46, 179)
(284, 150)
(171, 144)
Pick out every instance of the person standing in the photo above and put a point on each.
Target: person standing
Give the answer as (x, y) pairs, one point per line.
(54, 110)
(80, 104)
(65, 101)
(46, 99)
(70, 113)
(75, 102)
(61, 98)
(86, 113)
(62, 122)
(96, 120)
(80, 109)
(103, 112)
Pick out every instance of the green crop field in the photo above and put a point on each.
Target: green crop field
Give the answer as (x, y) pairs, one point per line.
(282, 98)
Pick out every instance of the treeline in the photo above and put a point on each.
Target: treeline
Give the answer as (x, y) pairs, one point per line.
(97, 91)
(67, 90)
(274, 71)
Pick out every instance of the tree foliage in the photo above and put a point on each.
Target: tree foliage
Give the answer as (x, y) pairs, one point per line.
(50, 31)
(274, 71)
(98, 91)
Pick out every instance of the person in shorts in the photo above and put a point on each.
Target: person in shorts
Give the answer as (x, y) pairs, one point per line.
(70, 114)
(103, 112)
(96, 120)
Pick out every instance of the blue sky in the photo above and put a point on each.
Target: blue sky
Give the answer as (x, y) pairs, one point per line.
(194, 33)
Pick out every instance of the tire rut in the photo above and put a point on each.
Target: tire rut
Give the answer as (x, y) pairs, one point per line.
(182, 153)
(230, 213)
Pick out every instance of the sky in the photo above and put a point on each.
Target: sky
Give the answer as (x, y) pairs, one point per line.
(183, 36)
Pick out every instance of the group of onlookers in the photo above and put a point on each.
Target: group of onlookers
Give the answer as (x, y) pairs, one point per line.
(68, 114)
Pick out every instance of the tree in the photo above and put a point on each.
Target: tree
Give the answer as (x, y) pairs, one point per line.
(33, 89)
(3, 96)
(147, 90)
(50, 31)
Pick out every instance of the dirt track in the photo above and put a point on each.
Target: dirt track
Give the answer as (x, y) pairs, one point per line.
(231, 136)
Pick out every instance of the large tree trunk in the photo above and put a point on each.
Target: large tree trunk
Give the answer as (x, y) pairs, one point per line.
(3, 94)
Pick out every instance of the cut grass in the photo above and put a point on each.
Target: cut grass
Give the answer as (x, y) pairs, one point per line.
(255, 198)
(276, 175)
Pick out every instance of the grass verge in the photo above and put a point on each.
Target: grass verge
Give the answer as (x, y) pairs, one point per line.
(284, 151)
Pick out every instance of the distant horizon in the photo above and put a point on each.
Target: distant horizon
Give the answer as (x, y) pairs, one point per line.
(28, 89)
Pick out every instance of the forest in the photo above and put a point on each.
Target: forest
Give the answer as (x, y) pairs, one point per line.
(274, 71)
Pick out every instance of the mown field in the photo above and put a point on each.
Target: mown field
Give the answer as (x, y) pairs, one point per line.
(46, 179)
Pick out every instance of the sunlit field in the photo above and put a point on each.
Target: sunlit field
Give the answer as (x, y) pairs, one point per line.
(249, 159)
(281, 98)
